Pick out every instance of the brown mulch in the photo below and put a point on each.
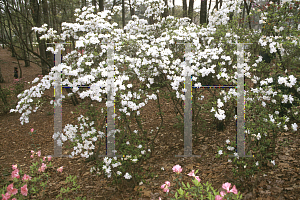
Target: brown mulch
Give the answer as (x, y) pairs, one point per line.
(16, 144)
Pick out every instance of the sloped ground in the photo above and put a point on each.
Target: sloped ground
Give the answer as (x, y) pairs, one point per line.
(16, 144)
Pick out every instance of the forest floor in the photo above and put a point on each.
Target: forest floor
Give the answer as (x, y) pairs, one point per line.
(16, 143)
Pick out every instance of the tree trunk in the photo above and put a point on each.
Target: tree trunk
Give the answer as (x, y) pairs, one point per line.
(166, 12)
(203, 11)
(49, 55)
(101, 5)
(217, 4)
(53, 8)
(191, 10)
(83, 3)
(94, 4)
(3, 38)
(13, 53)
(42, 46)
(1, 77)
(132, 11)
(184, 8)
(23, 34)
(173, 9)
(123, 13)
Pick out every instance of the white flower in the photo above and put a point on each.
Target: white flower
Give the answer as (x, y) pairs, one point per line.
(220, 152)
(273, 162)
(230, 148)
(127, 142)
(244, 166)
(227, 141)
(276, 112)
(162, 168)
(294, 126)
(127, 176)
(256, 163)
(140, 146)
(141, 183)
(258, 136)
(119, 173)
(229, 160)
(236, 155)
(143, 152)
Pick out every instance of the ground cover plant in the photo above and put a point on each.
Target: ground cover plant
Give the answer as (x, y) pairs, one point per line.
(138, 145)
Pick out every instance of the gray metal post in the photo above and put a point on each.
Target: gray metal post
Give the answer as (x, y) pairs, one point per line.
(110, 148)
(188, 146)
(58, 107)
(240, 103)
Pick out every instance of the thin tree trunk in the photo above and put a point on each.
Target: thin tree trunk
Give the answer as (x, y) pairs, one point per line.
(53, 8)
(42, 46)
(13, 53)
(191, 10)
(123, 13)
(49, 55)
(2, 31)
(23, 34)
(173, 9)
(203, 11)
(1, 77)
(94, 4)
(184, 8)
(217, 4)
(101, 5)
(166, 12)
(132, 11)
(83, 3)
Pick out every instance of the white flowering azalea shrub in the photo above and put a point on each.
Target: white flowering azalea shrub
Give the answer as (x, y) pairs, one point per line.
(149, 52)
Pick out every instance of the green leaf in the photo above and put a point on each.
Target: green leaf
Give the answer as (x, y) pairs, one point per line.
(180, 191)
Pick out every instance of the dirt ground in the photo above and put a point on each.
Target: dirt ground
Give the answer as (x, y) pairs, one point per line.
(16, 144)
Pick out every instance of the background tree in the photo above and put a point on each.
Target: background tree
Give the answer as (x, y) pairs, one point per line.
(184, 8)
(203, 11)
(191, 10)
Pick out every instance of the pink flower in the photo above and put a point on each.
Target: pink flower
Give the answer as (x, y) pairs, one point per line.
(39, 153)
(32, 156)
(198, 179)
(227, 185)
(32, 130)
(42, 168)
(26, 177)
(166, 186)
(223, 193)
(11, 190)
(32, 151)
(218, 197)
(24, 190)
(49, 158)
(14, 167)
(6, 196)
(14, 199)
(191, 173)
(234, 190)
(60, 169)
(177, 169)
(15, 174)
